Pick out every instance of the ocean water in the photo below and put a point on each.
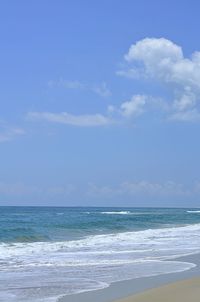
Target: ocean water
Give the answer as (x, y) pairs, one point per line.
(48, 252)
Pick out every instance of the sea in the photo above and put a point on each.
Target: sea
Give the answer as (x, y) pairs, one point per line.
(49, 252)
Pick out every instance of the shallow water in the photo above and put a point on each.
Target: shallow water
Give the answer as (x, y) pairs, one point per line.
(48, 252)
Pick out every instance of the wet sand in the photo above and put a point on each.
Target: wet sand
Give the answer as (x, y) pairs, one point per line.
(182, 291)
(131, 289)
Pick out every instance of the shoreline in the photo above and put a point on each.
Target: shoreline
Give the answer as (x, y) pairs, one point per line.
(180, 291)
(121, 290)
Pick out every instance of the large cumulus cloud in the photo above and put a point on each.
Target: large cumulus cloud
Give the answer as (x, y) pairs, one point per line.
(164, 61)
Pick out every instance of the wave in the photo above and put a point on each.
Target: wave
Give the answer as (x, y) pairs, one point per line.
(152, 240)
(94, 261)
(22, 234)
(118, 213)
(194, 212)
(125, 213)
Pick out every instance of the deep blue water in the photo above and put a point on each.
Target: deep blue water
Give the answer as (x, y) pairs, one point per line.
(29, 224)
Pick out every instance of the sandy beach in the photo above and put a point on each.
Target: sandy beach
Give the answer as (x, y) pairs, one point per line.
(182, 291)
(174, 287)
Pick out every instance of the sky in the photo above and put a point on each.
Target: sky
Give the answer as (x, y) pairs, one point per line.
(100, 103)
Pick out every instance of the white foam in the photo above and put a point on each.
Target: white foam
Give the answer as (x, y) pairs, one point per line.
(99, 258)
(193, 211)
(117, 213)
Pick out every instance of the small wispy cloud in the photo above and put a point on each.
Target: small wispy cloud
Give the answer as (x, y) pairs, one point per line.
(128, 111)
(134, 107)
(130, 190)
(70, 119)
(186, 116)
(100, 89)
(138, 104)
(156, 59)
(143, 187)
(8, 133)
(17, 189)
(23, 189)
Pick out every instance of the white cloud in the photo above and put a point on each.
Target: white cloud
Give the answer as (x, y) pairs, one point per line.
(138, 104)
(61, 190)
(70, 119)
(143, 188)
(185, 102)
(186, 116)
(8, 133)
(129, 190)
(133, 107)
(22, 189)
(160, 60)
(163, 61)
(18, 188)
(115, 115)
(100, 89)
(132, 73)
(154, 51)
(67, 84)
(95, 190)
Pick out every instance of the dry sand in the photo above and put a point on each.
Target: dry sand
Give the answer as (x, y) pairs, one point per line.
(182, 291)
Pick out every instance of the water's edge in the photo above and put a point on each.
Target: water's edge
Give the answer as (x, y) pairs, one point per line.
(122, 289)
(51, 252)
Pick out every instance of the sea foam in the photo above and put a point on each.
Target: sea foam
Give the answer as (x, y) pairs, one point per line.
(88, 249)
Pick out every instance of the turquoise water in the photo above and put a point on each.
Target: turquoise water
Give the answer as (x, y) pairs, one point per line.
(46, 252)
(29, 224)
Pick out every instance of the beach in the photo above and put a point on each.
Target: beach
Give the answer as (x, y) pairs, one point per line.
(99, 151)
(182, 291)
(174, 287)
(94, 254)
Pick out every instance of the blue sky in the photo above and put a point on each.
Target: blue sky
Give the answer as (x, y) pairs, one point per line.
(100, 103)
